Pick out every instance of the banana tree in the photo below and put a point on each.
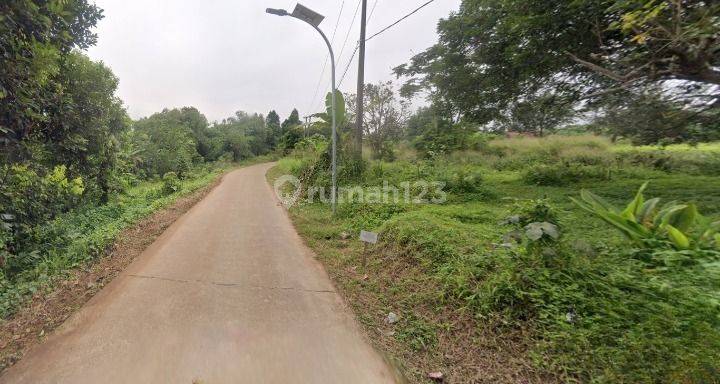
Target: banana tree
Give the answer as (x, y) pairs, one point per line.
(325, 122)
(643, 221)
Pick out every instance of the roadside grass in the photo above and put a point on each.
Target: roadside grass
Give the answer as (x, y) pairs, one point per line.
(78, 237)
(483, 312)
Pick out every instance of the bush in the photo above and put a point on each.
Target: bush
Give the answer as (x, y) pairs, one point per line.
(171, 183)
(385, 152)
(31, 197)
(47, 250)
(593, 314)
(694, 162)
(464, 180)
(563, 174)
(368, 216)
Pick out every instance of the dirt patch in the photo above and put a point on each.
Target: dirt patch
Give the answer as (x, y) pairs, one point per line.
(45, 311)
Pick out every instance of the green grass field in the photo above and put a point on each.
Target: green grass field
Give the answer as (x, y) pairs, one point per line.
(593, 310)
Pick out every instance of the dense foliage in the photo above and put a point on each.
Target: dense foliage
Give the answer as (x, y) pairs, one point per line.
(524, 60)
(68, 147)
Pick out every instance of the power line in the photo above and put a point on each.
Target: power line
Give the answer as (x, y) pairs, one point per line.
(332, 39)
(400, 19)
(372, 10)
(347, 35)
(315, 105)
(348, 65)
(357, 46)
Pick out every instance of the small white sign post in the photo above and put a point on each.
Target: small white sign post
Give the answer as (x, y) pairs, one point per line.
(367, 238)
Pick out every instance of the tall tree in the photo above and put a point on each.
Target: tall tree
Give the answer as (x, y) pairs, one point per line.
(88, 121)
(272, 124)
(35, 38)
(166, 144)
(292, 121)
(491, 53)
(536, 115)
(384, 117)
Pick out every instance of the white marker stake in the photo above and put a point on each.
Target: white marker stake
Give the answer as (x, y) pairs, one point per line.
(367, 238)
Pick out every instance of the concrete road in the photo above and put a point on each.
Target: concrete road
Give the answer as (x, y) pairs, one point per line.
(228, 294)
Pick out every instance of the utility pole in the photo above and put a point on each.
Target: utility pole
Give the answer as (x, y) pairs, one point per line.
(360, 85)
(307, 126)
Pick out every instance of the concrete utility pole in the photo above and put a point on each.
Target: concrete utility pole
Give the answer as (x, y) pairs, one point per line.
(307, 126)
(360, 85)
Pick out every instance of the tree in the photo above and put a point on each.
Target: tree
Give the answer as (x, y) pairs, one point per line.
(166, 144)
(384, 117)
(36, 37)
(272, 124)
(88, 122)
(433, 132)
(648, 118)
(242, 135)
(536, 115)
(324, 125)
(419, 121)
(292, 131)
(492, 53)
(292, 121)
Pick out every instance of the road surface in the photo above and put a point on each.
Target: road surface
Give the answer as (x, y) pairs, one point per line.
(228, 294)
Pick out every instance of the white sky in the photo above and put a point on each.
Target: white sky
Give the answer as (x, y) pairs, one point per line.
(227, 55)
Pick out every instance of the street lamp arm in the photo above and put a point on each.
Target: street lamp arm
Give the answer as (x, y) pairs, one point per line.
(327, 42)
(274, 11)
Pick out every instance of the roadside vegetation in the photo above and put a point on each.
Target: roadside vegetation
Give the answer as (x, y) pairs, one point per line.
(509, 251)
(576, 236)
(75, 169)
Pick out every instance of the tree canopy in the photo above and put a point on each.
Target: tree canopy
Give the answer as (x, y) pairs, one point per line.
(493, 54)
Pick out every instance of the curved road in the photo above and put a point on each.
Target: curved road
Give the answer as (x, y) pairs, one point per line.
(228, 294)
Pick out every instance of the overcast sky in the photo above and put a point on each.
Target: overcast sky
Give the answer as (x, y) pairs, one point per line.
(227, 55)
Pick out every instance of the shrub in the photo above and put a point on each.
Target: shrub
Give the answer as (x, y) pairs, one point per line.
(367, 216)
(563, 174)
(464, 180)
(652, 227)
(385, 152)
(31, 197)
(695, 162)
(171, 183)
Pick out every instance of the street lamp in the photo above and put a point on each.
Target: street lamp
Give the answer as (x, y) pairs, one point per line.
(313, 18)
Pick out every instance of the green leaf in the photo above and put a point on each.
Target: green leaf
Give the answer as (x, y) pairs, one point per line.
(596, 201)
(677, 237)
(632, 210)
(647, 210)
(713, 228)
(665, 214)
(339, 104)
(684, 219)
(535, 231)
